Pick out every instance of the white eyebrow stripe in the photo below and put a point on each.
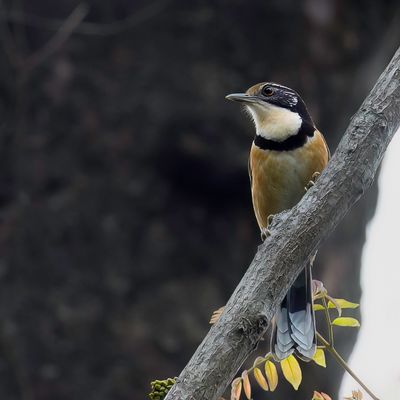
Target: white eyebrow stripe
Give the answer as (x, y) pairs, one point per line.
(292, 96)
(280, 86)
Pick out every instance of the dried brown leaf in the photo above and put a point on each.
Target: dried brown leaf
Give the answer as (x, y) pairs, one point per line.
(246, 384)
(236, 389)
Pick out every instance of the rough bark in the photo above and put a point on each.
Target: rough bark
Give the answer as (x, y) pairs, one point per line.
(296, 234)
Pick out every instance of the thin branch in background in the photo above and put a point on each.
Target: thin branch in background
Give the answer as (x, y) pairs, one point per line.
(89, 28)
(25, 65)
(20, 34)
(59, 38)
(8, 42)
(11, 350)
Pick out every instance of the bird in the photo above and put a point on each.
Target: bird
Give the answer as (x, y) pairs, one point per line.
(287, 155)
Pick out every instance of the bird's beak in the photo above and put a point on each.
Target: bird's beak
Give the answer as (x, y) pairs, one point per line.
(241, 98)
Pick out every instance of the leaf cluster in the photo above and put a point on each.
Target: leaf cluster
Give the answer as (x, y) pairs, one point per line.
(290, 366)
(265, 369)
(160, 388)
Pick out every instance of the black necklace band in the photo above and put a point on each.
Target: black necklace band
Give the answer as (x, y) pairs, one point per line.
(291, 143)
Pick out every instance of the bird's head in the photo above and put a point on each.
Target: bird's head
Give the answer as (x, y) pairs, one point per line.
(277, 111)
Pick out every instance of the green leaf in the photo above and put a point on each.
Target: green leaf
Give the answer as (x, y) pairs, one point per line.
(343, 304)
(346, 321)
(319, 358)
(292, 371)
(335, 304)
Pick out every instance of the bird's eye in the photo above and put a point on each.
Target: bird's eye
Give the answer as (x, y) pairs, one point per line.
(267, 91)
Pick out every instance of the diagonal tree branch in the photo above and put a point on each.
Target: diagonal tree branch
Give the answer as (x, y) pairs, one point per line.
(296, 234)
(59, 38)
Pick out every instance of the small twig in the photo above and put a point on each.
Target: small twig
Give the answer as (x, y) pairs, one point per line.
(60, 37)
(328, 320)
(8, 42)
(343, 364)
(267, 357)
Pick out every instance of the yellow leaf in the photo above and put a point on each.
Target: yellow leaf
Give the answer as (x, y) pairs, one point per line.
(319, 358)
(246, 384)
(260, 379)
(318, 307)
(272, 375)
(236, 389)
(343, 304)
(346, 321)
(292, 371)
(335, 304)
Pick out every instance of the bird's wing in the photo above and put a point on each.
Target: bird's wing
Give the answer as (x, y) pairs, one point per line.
(249, 170)
(326, 145)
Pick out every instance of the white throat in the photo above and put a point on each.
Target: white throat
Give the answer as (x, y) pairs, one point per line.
(273, 122)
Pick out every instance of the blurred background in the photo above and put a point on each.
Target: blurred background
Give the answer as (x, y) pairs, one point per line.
(126, 216)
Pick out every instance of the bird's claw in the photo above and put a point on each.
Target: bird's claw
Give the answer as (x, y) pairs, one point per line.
(265, 232)
(216, 315)
(312, 181)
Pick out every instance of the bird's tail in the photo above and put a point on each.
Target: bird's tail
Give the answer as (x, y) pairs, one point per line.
(294, 329)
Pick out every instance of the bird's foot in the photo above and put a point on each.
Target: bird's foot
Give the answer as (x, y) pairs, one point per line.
(216, 315)
(265, 232)
(312, 181)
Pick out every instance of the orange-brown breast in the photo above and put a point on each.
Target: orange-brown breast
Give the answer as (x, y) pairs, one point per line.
(278, 178)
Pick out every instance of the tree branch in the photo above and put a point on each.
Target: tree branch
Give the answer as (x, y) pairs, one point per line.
(296, 234)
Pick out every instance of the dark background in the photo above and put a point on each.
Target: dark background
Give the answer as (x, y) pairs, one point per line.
(124, 197)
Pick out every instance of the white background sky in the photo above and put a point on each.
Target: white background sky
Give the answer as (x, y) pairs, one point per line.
(376, 357)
